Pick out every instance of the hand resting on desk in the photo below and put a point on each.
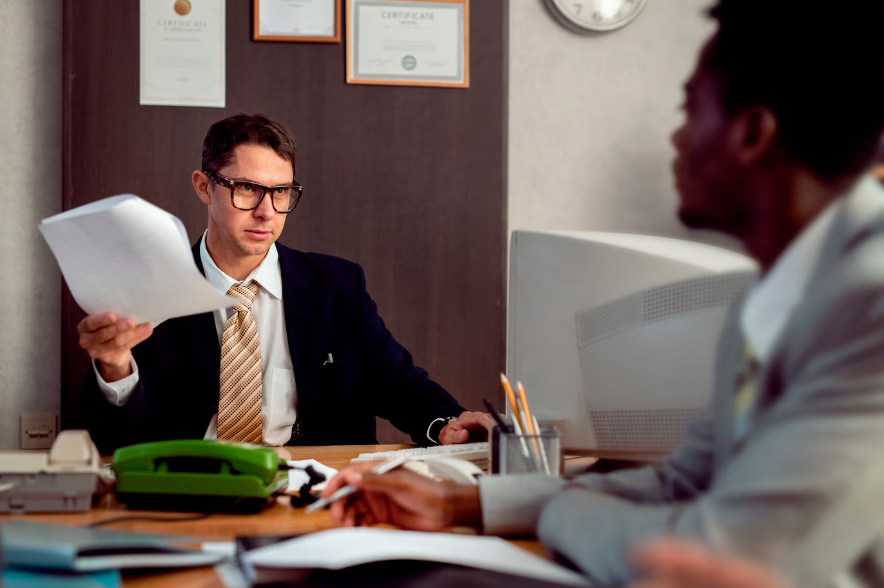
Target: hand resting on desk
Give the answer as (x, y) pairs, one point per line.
(403, 498)
(469, 426)
(110, 340)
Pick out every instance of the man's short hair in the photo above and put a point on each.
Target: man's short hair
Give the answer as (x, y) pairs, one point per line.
(245, 129)
(818, 65)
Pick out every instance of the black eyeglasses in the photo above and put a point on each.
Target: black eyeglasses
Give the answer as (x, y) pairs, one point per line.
(248, 195)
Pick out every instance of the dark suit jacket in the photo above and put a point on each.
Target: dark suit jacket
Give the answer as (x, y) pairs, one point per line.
(327, 310)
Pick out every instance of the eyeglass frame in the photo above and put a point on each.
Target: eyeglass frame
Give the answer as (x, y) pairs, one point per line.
(230, 185)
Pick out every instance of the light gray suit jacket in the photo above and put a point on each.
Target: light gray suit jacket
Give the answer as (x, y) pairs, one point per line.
(819, 422)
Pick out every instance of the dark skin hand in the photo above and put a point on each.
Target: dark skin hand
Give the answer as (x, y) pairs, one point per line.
(404, 499)
(671, 563)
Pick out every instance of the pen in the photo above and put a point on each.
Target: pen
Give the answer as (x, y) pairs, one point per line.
(542, 447)
(344, 491)
(504, 428)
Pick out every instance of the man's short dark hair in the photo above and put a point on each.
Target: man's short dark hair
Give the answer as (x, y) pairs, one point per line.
(245, 129)
(818, 65)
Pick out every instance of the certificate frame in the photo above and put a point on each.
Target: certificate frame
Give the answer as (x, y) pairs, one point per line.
(165, 31)
(354, 77)
(258, 36)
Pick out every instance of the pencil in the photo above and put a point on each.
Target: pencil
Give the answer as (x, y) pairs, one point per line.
(510, 397)
(528, 423)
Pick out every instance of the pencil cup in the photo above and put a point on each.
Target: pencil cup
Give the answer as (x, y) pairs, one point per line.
(526, 454)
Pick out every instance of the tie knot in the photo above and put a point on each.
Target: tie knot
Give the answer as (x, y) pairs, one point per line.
(245, 294)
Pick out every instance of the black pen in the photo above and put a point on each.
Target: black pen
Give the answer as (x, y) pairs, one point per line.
(496, 416)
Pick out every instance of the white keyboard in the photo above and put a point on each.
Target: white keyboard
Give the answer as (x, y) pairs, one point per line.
(468, 451)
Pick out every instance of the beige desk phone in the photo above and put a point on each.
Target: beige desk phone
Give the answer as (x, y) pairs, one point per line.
(63, 479)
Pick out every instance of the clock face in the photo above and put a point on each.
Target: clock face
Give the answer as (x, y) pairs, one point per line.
(596, 15)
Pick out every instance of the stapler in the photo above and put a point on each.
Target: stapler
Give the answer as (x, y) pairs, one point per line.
(63, 479)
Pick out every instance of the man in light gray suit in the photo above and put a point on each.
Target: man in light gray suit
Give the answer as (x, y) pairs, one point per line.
(781, 129)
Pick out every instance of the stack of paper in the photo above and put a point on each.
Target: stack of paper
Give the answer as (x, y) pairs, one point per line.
(342, 548)
(125, 255)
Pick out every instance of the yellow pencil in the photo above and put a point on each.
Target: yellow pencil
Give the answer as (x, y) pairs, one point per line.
(528, 420)
(511, 398)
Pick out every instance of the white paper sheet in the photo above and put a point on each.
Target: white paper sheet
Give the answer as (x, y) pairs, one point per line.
(298, 478)
(341, 548)
(125, 255)
(182, 48)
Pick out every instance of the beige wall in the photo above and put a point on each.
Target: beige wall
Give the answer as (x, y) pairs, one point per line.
(30, 168)
(590, 118)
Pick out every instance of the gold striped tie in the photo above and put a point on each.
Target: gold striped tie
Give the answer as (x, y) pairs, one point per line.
(239, 405)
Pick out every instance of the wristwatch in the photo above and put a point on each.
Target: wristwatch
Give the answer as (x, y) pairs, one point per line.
(436, 427)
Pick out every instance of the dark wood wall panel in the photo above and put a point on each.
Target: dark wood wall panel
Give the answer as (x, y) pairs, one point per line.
(408, 182)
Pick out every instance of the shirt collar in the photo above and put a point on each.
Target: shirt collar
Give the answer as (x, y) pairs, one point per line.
(770, 305)
(267, 274)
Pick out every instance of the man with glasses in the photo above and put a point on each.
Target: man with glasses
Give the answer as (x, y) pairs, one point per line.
(303, 359)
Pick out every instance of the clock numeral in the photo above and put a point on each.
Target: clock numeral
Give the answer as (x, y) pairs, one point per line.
(597, 16)
(577, 9)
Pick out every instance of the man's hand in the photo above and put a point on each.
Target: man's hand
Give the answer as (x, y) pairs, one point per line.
(110, 341)
(403, 498)
(469, 426)
(670, 563)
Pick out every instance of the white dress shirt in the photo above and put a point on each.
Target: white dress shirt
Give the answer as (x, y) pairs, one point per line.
(770, 305)
(279, 392)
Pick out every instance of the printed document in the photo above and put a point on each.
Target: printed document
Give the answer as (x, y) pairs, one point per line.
(125, 255)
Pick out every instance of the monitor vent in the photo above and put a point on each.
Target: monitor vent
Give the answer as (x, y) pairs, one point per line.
(661, 302)
(641, 430)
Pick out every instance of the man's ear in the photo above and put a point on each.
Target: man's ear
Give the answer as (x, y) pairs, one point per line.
(755, 134)
(201, 186)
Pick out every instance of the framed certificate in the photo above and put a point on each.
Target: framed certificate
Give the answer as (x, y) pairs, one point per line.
(309, 21)
(408, 42)
(182, 52)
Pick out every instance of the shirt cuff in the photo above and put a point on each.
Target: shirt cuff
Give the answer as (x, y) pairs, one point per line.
(511, 504)
(119, 392)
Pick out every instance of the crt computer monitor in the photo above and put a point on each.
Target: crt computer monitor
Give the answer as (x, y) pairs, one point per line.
(614, 335)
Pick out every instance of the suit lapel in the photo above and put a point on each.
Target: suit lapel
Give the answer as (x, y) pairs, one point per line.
(729, 366)
(861, 213)
(198, 336)
(301, 319)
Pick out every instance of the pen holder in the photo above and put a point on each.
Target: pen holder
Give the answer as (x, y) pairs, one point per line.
(526, 454)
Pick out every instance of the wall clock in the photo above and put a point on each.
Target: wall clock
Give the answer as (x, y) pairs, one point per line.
(589, 16)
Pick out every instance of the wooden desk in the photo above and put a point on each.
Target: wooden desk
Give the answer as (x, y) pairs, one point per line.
(279, 519)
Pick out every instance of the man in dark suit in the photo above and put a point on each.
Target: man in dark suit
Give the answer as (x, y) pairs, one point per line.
(303, 358)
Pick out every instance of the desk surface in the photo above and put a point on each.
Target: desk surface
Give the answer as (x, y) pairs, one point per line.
(279, 519)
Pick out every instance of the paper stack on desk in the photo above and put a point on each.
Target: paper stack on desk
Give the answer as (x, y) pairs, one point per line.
(125, 255)
(341, 548)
